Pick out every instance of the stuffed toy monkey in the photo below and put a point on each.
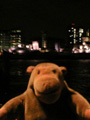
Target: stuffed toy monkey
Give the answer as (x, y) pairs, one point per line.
(47, 97)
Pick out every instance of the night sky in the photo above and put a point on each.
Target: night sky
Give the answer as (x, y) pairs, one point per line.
(51, 16)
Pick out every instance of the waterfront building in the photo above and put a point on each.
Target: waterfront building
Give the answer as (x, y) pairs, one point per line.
(15, 37)
(72, 34)
(44, 41)
(76, 35)
(35, 45)
(9, 38)
(4, 39)
(81, 31)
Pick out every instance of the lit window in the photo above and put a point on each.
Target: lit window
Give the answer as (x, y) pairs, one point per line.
(27, 46)
(81, 30)
(74, 30)
(81, 46)
(18, 31)
(71, 35)
(19, 45)
(86, 47)
(84, 43)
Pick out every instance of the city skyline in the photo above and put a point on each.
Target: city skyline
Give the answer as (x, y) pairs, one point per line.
(76, 36)
(52, 17)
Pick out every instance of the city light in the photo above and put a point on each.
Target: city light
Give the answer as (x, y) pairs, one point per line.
(35, 45)
(19, 45)
(76, 42)
(20, 51)
(27, 46)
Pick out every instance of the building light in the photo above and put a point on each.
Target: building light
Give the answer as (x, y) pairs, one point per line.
(61, 49)
(30, 45)
(35, 45)
(70, 42)
(69, 30)
(87, 33)
(81, 30)
(81, 50)
(19, 45)
(13, 48)
(87, 51)
(57, 47)
(81, 46)
(72, 28)
(20, 51)
(74, 41)
(84, 43)
(27, 46)
(10, 51)
(86, 47)
(71, 35)
(73, 23)
(18, 31)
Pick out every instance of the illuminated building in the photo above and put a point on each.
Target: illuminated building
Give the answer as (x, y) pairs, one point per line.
(15, 37)
(9, 38)
(81, 31)
(44, 42)
(75, 35)
(84, 42)
(87, 33)
(4, 39)
(57, 47)
(86, 38)
(35, 45)
(72, 34)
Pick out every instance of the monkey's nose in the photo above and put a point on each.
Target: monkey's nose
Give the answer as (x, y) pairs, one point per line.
(47, 87)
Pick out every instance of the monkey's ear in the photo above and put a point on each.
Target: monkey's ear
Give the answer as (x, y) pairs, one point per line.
(30, 69)
(64, 70)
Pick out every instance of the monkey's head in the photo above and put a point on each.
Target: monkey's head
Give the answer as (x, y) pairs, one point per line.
(47, 81)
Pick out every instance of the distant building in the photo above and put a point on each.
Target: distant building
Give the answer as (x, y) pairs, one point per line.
(72, 34)
(15, 37)
(35, 45)
(44, 41)
(55, 44)
(9, 38)
(4, 39)
(80, 34)
(78, 39)
(86, 38)
(75, 34)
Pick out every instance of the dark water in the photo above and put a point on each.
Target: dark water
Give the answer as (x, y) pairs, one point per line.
(16, 79)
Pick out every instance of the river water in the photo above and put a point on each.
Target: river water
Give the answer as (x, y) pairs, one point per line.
(16, 78)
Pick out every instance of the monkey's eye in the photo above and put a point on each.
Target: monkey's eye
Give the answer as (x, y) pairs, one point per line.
(38, 71)
(54, 71)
